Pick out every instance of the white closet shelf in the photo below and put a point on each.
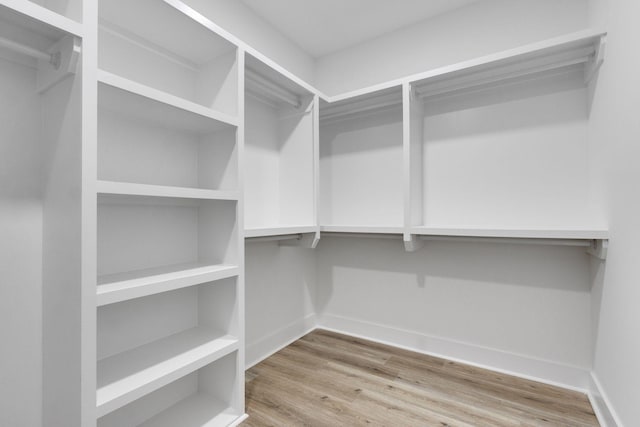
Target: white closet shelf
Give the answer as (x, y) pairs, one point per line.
(115, 288)
(132, 189)
(271, 86)
(367, 229)
(127, 376)
(515, 233)
(138, 101)
(279, 230)
(32, 11)
(589, 40)
(199, 410)
(576, 51)
(369, 103)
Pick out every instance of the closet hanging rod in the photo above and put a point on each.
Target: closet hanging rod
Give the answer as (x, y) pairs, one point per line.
(53, 59)
(274, 238)
(513, 240)
(269, 88)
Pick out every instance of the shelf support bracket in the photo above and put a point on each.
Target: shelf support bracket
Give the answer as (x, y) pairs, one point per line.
(412, 242)
(65, 55)
(594, 64)
(599, 249)
(305, 240)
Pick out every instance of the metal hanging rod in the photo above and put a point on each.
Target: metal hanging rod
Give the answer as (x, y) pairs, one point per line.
(274, 238)
(52, 58)
(264, 86)
(511, 240)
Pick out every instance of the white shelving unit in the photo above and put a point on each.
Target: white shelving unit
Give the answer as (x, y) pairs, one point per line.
(361, 162)
(40, 212)
(189, 62)
(499, 119)
(170, 283)
(281, 153)
(201, 142)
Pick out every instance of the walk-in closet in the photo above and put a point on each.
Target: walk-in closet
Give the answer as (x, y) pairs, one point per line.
(319, 213)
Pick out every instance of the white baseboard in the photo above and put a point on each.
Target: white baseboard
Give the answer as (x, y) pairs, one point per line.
(569, 377)
(601, 404)
(272, 343)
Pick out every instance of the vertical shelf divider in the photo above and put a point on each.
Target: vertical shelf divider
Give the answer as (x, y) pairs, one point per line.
(412, 165)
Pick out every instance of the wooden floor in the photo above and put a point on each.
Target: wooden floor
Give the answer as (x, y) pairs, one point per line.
(327, 379)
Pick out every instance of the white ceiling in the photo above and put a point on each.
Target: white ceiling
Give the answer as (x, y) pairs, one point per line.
(325, 26)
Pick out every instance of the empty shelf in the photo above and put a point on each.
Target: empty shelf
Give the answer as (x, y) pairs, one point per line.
(279, 230)
(127, 376)
(199, 410)
(136, 100)
(519, 233)
(132, 189)
(125, 286)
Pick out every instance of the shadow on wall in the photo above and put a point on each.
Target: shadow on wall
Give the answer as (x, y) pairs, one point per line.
(548, 267)
(280, 287)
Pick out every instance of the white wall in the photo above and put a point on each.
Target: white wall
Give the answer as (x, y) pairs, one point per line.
(479, 29)
(280, 287)
(458, 299)
(510, 158)
(236, 18)
(614, 136)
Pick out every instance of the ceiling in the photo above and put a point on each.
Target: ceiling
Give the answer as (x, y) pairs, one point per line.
(321, 27)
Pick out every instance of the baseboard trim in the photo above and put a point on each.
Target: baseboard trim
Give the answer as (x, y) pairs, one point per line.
(601, 404)
(565, 376)
(239, 420)
(258, 351)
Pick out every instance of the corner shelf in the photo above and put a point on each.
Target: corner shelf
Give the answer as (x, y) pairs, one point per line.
(354, 107)
(127, 376)
(132, 189)
(115, 288)
(144, 102)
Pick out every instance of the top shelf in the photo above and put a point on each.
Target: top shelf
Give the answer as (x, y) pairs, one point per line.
(583, 48)
(167, 29)
(272, 87)
(32, 15)
(369, 103)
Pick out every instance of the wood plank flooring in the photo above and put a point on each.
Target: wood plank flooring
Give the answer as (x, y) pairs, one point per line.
(328, 379)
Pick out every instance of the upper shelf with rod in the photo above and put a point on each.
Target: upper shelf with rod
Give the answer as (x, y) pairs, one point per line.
(268, 85)
(53, 51)
(580, 52)
(368, 103)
